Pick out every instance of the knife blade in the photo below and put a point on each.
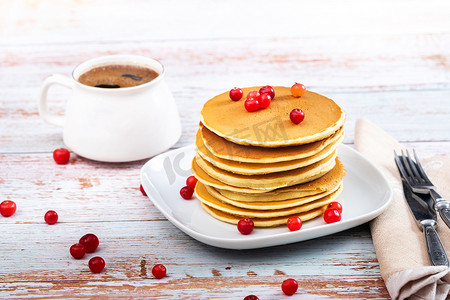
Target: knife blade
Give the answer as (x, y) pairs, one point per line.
(426, 219)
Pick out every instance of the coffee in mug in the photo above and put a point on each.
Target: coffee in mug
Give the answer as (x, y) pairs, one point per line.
(117, 76)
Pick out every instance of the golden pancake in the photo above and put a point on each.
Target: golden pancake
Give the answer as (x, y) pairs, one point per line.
(330, 181)
(205, 197)
(246, 168)
(203, 177)
(272, 127)
(261, 222)
(269, 181)
(267, 205)
(222, 148)
(317, 185)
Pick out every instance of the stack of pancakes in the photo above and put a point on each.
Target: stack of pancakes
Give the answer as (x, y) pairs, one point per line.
(262, 166)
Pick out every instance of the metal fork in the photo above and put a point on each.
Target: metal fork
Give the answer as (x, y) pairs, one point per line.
(412, 171)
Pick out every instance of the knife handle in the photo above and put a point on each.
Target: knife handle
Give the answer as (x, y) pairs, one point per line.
(435, 248)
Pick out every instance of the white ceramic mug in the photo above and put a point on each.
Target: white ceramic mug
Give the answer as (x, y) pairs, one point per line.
(115, 125)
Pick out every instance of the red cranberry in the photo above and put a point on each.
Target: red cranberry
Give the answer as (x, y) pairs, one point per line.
(297, 115)
(245, 226)
(289, 286)
(61, 156)
(252, 95)
(51, 217)
(77, 251)
(186, 192)
(251, 297)
(294, 223)
(141, 188)
(251, 105)
(96, 264)
(335, 205)
(159, 271)
(331, 216)
(90, 242)
(7, 208)
(191, 181)
(264, 100)
(268, 90)
(236, 94)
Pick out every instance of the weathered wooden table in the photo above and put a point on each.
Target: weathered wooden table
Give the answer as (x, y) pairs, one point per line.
(388, 62)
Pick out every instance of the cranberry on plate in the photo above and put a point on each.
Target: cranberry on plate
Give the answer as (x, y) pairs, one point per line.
(245, 226)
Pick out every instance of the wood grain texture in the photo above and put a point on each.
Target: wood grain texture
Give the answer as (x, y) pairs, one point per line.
(157, 241)
(382, 95)
(312, 287)
(385, 61)
(130, 255)
(38, 22)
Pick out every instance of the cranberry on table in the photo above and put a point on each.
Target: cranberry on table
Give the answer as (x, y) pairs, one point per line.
(297, 116)
(191, 181)
(159, 271)
(77, 251)
(289, 286)
(90, 242)
(298, 90)
(61, 156)
(51, 217)
(251, 104)
(186, 192)
(294, 223)
(267, 90)
(96, 264)
(141, 188)
(331, 216)
(264, 100)
(335, 205)
(7, 208)
(245, 226)
(251, 297)
(236, 94)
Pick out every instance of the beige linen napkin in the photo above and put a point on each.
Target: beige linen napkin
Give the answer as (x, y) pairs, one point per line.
(399, 242)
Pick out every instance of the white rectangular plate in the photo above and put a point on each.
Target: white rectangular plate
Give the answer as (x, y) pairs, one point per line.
(366, 194)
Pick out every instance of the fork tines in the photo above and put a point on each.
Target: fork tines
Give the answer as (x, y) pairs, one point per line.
(411, 169)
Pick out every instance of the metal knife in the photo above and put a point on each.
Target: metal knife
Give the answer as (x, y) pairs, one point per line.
(426, 219)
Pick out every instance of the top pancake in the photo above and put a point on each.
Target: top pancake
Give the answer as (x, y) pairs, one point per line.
(272, 127)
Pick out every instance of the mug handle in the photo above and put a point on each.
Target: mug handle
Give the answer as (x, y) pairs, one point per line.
(43, 107)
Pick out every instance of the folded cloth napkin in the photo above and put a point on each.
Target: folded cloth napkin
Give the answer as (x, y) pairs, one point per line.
(399, 243)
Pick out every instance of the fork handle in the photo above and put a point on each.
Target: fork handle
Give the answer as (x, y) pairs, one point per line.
(435, 249)
(442, 206)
